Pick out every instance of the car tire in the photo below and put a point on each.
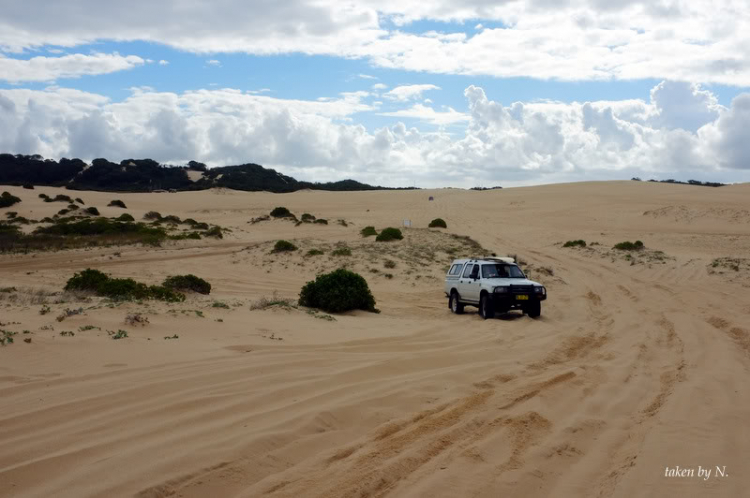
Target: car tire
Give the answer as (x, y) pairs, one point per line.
(534, 310)
(454, 304)
(485, 307)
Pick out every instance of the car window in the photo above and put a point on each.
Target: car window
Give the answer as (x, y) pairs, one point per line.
(456, 270)
(467, 271)
(489, 271)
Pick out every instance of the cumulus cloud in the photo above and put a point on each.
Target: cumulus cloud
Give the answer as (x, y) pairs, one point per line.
(700, 40)
(492, 143)
(213, 62)
(409, 92)
(163, 62)
(428, 114)
(41, 68)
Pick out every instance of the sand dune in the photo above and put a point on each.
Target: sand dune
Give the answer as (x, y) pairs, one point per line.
(637, 364)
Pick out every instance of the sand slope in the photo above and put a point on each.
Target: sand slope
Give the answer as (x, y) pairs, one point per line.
(636, 364)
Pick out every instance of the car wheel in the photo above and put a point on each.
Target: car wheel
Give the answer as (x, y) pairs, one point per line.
(485, 307)
(534, 310)
(455, 306)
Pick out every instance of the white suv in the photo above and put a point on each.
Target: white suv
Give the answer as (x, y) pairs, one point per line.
(494, 285)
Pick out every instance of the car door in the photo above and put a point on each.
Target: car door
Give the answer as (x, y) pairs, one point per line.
(469, 285)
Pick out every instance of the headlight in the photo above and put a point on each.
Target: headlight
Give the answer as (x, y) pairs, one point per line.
(501, 289)
(540, 290)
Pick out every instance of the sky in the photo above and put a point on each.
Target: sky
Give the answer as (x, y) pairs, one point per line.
(460, 93)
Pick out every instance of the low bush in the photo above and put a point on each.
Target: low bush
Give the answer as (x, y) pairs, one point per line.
(58, 198)
(79, 200)
(186, 236)
(342, 251)
(152, 215)
(284, 246)
(307, 217)
(315, 252)
(92, 211)
(72, 207)
(340, 290)
(438, 223)
(281, 212)
(187, 283)
(170, 218)
(103, 285)
(117, 203)
(575, 243)
(125, 217)
(389, 264)
(7, 200)
(214, 231)
(28, 186)
(389, 234)
(629, 246)
(368, 231)
(321, 221)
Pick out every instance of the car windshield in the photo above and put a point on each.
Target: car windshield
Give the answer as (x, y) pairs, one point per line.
(501, 271)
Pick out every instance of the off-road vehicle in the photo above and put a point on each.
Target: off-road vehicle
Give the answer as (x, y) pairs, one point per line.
(494, 285)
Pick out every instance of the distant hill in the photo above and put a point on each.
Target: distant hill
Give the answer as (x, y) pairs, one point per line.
(147, 175)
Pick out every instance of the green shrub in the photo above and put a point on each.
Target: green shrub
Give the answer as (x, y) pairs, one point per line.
(79, 200)
(389, 234)
(284, 246)
(63, 212)
(307, 217)
(188, 283)
(629, 246)
(368, 231)
(321, 221)
(214, 231)
(438, 223)
(102, 284)
(125, 217)
(92, 211)
(117, 203)
(72, 207)
(340, 290)
(58, 198)
(342, 251)
(315, 252)
(11, 214)
(7, 200)
(186, 236)
(281, 212)
(152, 215)
(172, 219)
(389, 264)
(575, 243)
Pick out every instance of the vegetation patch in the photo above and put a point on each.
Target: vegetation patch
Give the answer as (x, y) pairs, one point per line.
(57, 198)
(152, 215)
(389, 234)
(629, 246)
(187, 283)
(438, 223)
(321, 221)
(7, 200)
(342, 251)
(284, 246)
(274, 301)
(122, 289)
(125, 217)
(315, 252)
(575, 243)
(120, 334)
(92, 211)
(368, 231)
(307, 218)
(214, 231)
(117, 203)
(281, 212)
(340, 290)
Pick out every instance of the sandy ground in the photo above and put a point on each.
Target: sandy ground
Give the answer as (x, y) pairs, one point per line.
(636, 365)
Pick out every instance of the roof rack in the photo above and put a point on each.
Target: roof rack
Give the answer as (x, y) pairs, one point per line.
(502, 259)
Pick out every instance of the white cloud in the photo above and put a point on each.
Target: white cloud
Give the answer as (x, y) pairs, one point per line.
(409, 92)
(379, 86)
(430, 115)
(700, 40)
(213, 62)
(43, 68)
(163, 63)
(491, 144)
(366, 76)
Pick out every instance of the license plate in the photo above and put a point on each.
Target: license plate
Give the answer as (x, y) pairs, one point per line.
(522, 298)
